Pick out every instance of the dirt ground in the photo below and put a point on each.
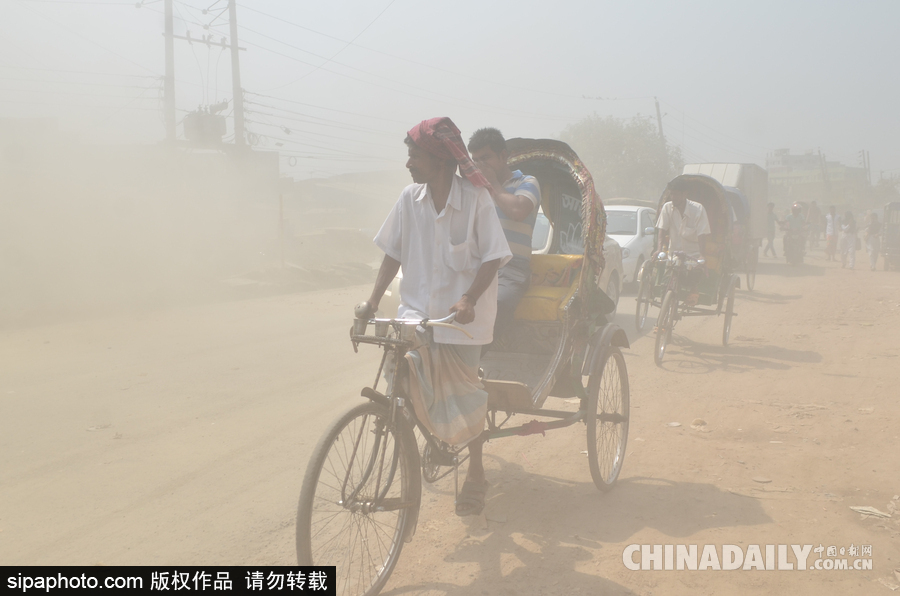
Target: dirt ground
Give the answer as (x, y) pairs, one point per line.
(180, 437)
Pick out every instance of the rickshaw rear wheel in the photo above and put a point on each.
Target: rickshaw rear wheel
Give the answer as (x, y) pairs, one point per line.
(729, 314)
(607, 418)
(358, 456)
(664, 325)
(643, 296)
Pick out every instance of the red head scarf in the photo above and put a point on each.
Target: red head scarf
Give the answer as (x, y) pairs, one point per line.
(441, 138)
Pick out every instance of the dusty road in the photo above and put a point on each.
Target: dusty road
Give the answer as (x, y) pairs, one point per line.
(180, 437)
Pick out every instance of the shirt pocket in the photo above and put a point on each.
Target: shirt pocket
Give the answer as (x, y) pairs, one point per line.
(460, 257)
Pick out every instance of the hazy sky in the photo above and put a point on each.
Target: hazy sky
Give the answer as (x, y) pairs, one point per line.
(735, 79)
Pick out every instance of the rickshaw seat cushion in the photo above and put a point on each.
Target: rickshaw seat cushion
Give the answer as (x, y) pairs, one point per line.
(555, 270)
(554, 278)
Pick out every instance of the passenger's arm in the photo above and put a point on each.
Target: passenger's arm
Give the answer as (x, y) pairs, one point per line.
(465, 306)
(515, 207)
(386, 274)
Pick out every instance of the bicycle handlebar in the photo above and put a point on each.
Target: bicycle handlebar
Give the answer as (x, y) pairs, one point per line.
(443, 322)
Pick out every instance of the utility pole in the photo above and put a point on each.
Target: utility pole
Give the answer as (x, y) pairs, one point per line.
(169, 82)
(659, 120)
(236, 76)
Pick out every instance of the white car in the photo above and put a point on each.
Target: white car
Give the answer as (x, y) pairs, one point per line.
(633, 227)
(541, 242)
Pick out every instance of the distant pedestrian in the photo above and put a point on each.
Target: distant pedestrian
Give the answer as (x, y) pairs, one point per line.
(873, 239)
(848, 240)
(771, 225)
(831, 230)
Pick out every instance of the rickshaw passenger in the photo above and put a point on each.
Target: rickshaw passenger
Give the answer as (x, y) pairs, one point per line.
(517, 200)
(684, 227)
(445, 233)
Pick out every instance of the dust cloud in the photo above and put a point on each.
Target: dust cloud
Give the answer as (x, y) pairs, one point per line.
(91, 229)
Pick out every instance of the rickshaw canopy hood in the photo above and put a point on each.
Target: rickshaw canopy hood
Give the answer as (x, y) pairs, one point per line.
(557, 166)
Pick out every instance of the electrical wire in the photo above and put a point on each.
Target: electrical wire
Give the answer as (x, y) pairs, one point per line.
(310, 105)
(440, 69)
(87, 39)
(76, 83)
(319, 134)
(346, 45)
(454, 103)
(305, 118)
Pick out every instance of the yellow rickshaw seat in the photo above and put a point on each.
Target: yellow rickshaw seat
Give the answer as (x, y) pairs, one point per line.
(554, 279)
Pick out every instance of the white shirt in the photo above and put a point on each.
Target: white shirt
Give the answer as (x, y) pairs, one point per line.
(829, 225)
(440, 254)
(684, 230)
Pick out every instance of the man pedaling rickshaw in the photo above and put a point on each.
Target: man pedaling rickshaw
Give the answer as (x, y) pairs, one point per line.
(445, 232)
(684, 227)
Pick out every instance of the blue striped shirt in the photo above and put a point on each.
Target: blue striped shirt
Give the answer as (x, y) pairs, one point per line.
(518, 233)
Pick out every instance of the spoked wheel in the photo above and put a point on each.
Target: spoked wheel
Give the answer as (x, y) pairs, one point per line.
(607, 419)
(643, 296)
(664, 326)
(360, 497)
(729, 314)
(752, 260)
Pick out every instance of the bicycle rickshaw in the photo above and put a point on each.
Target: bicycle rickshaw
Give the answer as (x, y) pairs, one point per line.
(362, 489)
(890, 238)
(663, 276)
(747, 190)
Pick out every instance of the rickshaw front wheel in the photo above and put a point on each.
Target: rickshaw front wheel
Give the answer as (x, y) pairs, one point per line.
(729, 314)
(607, 418)
(752, 260)
(664, 325)
(359, 500)
(643, 296)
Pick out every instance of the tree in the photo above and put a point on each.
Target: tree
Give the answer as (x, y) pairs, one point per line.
(627, 158)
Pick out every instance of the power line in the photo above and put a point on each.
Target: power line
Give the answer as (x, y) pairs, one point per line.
(69, 105)
(339, 151)
(438, 68)
(346, 45)
(89, 72)
(87, 39)
(307, 132)
(76, 93)
(473, 103)
(131, 4)
(91, 84)
(713, 129)
(309, 105)
(304, 119)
